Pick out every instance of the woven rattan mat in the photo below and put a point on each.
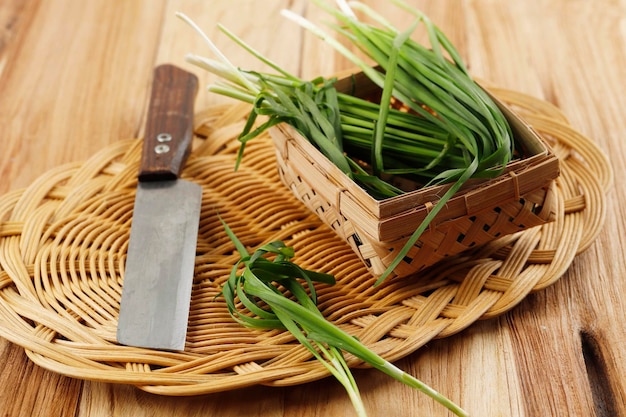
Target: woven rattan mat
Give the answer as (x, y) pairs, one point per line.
(63, 245)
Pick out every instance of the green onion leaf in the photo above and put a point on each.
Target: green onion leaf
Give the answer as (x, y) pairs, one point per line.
(265, 305)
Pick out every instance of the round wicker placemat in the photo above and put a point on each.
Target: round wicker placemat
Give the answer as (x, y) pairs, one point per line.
(63, 245)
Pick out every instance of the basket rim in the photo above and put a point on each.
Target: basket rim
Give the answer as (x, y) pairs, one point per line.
(538, 168)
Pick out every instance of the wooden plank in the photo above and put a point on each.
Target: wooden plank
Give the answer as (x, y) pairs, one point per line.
(562, 53)
(65, 93)
(68, 92)
(28, 390)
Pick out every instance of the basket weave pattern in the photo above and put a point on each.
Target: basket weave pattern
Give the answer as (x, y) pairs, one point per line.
(522, 197)
(63, 245)
(450, 237)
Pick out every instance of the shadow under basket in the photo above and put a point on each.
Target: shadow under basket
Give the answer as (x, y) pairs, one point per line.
(523, 196)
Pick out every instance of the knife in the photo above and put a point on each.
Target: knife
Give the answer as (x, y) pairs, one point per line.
(158, 276)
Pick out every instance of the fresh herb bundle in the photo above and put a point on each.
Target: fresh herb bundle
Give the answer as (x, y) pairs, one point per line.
(256, 297)
(452, 133)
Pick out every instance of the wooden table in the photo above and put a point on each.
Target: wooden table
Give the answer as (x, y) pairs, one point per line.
(75, 76)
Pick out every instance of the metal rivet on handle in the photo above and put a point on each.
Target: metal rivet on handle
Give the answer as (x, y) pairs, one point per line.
(164, 137)
(161, 149)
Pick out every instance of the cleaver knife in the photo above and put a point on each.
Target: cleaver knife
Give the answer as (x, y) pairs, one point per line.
(158, 276)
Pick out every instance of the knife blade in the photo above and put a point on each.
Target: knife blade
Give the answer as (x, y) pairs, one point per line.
(158, 276)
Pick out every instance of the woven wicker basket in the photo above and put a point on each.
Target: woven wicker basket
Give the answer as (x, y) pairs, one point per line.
(484, 210)
(63, 241)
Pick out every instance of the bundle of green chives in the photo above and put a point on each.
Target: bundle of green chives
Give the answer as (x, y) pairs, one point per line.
(255, 297)
(452, 133)
(438, 90)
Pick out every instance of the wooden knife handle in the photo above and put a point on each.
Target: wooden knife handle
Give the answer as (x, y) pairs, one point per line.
(169, 127)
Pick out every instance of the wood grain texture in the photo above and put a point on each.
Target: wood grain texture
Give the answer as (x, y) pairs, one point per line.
(170, 112)
(75, 76)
